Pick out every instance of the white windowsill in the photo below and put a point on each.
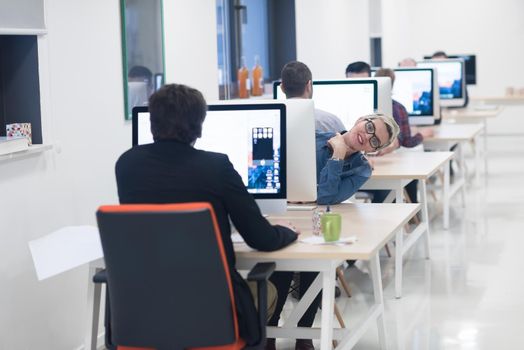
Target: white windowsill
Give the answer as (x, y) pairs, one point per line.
(23, 31)
(33, 150)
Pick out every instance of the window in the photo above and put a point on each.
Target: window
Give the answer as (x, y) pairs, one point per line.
(376, 52)
(20, 84)
(251, 34)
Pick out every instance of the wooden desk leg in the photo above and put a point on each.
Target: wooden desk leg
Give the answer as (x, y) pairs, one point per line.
(376, 276)
(399, 250)
(328, 304)
(342, 280)
(445, 195)
(93, 310)
(339, 317)
(388, 252)
(425, 215)
(340, 321)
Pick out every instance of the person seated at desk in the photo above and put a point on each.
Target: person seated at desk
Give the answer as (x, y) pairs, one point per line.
(441, 55)
(358, 69)
(297, 82)
(407, 62)
(170, 170)
(405, 139)
(341, 169)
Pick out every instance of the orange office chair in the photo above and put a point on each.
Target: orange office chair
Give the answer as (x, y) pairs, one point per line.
(156, 256)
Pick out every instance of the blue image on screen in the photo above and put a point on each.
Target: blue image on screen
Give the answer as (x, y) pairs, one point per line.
(424, 105)
(453, 91)
(264, 174)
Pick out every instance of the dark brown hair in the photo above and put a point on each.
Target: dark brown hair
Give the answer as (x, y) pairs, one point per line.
(295, 76)
(177, 113)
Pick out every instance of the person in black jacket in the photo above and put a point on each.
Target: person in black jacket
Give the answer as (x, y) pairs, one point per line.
(170, 170)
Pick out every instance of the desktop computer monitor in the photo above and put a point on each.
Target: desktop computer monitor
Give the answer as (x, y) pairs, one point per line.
(301, 149)
(384, 102)
(417, 90)
(471, 67)
(451, 80)
(348, 99)
(254, 138)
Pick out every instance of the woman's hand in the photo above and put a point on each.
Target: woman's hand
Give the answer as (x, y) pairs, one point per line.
(339, 146)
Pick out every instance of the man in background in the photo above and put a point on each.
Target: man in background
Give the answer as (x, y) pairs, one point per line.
(297, 82)
(171, 170)
(358, 69)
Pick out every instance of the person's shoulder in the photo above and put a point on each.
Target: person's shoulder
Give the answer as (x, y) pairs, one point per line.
(134, 152)
(398, 108)
(324, 114)
(132, 157)
(322, 137)
(320, 134)
(397, 104)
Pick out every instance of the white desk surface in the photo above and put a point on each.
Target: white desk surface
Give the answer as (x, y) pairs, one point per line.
(454, 132)
(408, 165)
(516, 99)
(471, 113)
(373, 225)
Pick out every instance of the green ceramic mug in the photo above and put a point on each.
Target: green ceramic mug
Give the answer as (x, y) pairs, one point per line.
(331, 225)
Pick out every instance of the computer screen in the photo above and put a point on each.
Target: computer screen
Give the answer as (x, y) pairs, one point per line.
(253, 137)
(301, 163)
(471, 67)
(413, 88)
(451, 80)
(417, 90)
(347, 99)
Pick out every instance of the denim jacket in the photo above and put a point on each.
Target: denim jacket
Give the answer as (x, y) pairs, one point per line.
(338, 179)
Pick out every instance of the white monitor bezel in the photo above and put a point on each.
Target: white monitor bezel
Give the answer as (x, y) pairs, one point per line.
(300, 132)
(435, 95)
(454, 102)
(356, 81)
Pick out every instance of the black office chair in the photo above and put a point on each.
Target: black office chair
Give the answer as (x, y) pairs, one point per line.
(160, 262)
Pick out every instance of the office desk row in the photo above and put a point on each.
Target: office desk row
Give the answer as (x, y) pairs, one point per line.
(393, 172)
(374, 225)
(472, 115)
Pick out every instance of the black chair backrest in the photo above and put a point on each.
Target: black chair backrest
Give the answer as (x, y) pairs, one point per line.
(168, 278)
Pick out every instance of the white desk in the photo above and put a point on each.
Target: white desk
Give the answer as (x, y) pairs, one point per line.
(393, 172)
(472, 115)
(500, 100)
(446, 136)
(373, 224)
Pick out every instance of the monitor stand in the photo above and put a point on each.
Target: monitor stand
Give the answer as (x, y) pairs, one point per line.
(272, 206)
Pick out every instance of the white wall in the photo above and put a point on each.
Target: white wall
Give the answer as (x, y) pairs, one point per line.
(191, 44)
(331, 34)
(83, 110)
(494, 31)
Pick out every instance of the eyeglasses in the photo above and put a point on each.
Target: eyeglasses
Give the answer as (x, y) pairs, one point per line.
(370, 129)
